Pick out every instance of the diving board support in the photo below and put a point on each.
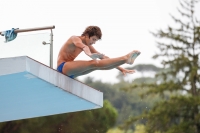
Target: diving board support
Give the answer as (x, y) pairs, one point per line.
(31, 89)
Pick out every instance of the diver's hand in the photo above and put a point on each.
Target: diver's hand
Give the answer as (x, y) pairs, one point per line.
(95, 56)
(125, 71)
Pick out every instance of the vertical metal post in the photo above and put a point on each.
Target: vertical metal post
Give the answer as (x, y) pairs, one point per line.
(51, 49)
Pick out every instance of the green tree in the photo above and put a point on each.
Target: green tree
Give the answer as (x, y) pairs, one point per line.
(179, 51)
(140, 129)
(127, 104)
(115, 130)
(99, 120)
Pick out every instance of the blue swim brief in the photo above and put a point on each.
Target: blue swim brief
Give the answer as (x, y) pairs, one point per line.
(60, 67)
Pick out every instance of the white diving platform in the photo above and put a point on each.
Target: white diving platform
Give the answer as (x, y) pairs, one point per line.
(30, 89)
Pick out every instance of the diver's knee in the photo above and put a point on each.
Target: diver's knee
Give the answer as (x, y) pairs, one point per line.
(95, 63)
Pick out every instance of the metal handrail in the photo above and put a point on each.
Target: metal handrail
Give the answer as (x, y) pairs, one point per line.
(32, 29)
(41, 28)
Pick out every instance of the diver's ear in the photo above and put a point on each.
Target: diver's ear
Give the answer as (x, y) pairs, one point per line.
(87, 36)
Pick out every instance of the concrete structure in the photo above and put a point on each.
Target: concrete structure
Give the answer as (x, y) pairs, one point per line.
(30, 89)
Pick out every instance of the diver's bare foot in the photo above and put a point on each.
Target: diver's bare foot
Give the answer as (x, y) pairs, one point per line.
(132, 56)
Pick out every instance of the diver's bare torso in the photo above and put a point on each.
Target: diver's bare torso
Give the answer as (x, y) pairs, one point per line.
(68, 52)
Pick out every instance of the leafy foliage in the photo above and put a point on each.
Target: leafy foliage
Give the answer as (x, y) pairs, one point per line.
(177, 112)
(127, 104)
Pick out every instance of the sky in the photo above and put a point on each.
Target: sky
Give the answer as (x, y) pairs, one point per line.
(125, 25)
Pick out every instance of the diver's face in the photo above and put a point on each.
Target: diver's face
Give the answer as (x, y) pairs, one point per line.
(92, 40)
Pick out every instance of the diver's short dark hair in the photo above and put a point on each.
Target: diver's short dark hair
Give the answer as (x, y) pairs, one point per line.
(92, 31)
